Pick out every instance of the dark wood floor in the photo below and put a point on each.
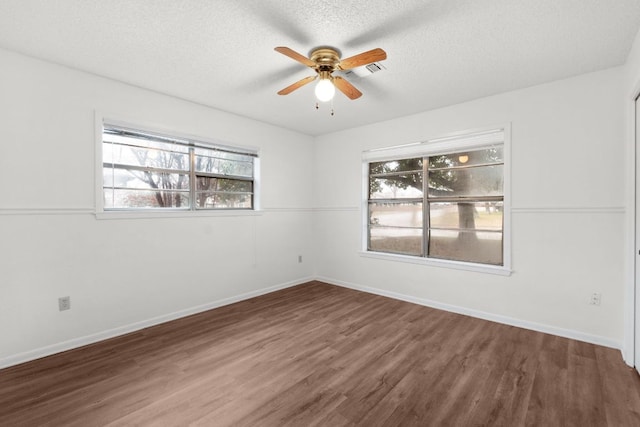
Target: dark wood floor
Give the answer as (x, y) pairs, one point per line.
(318, 354)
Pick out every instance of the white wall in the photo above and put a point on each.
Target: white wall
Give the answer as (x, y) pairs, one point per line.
(568, 205)
(127, 273)
(632, 77)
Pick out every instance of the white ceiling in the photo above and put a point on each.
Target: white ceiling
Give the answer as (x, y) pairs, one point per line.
(220, 52)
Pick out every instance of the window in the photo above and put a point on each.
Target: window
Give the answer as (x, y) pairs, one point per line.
(143, 170)
(442, 200)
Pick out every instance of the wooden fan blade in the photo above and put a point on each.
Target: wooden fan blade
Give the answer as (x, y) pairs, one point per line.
(363, 59)
(346, 88)
(287, 90)
(295, 55)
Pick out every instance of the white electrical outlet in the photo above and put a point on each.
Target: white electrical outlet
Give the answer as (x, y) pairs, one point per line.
(595, 299)
(64, 303)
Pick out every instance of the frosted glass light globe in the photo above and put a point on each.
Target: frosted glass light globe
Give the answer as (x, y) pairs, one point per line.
(325, 90)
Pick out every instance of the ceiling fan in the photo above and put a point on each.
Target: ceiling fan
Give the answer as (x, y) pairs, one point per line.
(326, 60)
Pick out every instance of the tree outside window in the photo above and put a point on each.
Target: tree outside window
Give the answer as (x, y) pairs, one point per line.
(456, 213)
(147, 171)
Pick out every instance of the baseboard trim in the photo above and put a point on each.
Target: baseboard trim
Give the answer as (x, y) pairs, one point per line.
(133, 327)
(506, 320)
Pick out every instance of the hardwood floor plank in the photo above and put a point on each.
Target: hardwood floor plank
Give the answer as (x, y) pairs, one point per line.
(317, 354)
(509, 403)
(550, 385)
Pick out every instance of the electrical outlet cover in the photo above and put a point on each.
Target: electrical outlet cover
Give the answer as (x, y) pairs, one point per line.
(64, 303)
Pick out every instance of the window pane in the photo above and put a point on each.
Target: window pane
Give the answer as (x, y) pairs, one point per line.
(395, 166)
(211, 200)
(396, 227)
(402, 186)
(124, 178)
(141, 139)
(224, 184)
(223, 193)
(474, 181)
(467, 158)
(395, 214)
(223, 163)
(225, 155)
(471, 246)
(478, 215)
(396, 240)
(115, 198)
(168, 158)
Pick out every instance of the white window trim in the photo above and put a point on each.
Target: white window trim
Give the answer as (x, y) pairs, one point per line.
(100, 213)
(472, 138)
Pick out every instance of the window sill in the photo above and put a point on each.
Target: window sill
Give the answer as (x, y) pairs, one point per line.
(456, 265)
(154, 214)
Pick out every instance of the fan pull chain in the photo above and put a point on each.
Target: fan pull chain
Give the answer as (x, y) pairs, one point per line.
(332, 110)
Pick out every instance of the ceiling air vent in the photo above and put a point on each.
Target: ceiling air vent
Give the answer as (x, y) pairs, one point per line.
(365, 70)
(374, 67)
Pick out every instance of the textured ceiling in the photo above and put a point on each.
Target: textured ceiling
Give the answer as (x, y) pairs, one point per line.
(220, 52)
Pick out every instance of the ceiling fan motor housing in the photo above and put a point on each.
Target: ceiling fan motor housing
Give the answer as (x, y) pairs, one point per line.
(326, 59)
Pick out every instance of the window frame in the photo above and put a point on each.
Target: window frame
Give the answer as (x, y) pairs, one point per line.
(190, 141)
(446, 144)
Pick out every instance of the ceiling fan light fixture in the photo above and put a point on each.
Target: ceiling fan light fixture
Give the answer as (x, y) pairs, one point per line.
(324, 61)
(325, 90)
